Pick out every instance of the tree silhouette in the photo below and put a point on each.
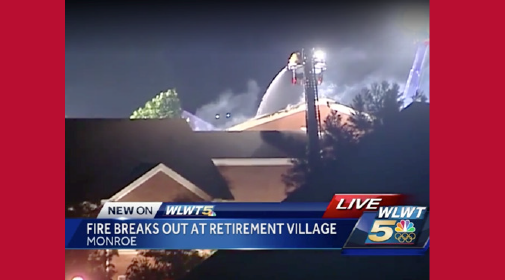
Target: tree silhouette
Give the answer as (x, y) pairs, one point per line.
(163, 264)
(142, 268)
(376, 105)
(99, 262)
(344, 161)
(164, 105)
(337, 136)
(419, 97)
(85, 209)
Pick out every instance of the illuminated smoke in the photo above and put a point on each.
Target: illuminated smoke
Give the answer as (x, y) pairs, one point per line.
(241, 106)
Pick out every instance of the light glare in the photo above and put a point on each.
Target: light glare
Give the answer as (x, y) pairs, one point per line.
(319, 54)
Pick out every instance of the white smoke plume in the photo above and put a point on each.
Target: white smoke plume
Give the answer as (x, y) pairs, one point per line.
(240, 106)
(350, 69)
(345, 94)
(386, 54)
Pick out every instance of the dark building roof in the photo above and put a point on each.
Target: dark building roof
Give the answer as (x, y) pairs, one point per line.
(104, 156)
(251, 144)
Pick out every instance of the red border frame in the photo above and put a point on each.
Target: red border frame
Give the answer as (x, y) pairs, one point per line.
(464, 161)
(33, 60)
(33, 76)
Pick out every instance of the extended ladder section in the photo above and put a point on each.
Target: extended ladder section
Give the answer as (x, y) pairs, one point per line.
(312, 86)
(412, 85)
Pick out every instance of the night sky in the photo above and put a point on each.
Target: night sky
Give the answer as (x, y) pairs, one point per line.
(120, 54)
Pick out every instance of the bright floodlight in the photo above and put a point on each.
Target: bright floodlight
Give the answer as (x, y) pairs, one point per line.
(77, 278)
(319, 55)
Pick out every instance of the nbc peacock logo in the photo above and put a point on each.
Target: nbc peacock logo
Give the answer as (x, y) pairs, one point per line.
(405, 232)
(405, 226)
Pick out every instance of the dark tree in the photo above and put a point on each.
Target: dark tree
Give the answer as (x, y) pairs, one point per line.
(163, 264)
(382, 101)
(353, 152)
(85, 209)
(337, 136)
(142, 268)
(420, 97)
(99, 262)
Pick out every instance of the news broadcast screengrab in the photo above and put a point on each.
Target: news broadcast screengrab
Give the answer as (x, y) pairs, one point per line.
(315, 164)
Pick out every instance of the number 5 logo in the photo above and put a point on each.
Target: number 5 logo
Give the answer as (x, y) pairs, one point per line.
(383, 226)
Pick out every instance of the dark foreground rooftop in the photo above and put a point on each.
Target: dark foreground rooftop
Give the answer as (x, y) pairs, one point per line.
(105, 155)
(408, 154)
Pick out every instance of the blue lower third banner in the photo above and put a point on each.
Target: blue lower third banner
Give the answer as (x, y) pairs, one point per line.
(382, 230)
(207, 234)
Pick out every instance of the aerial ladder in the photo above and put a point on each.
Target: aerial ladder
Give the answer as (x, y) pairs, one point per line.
(308, 68)
(412, 85)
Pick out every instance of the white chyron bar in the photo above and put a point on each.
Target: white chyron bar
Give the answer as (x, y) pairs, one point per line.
(129, 210)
